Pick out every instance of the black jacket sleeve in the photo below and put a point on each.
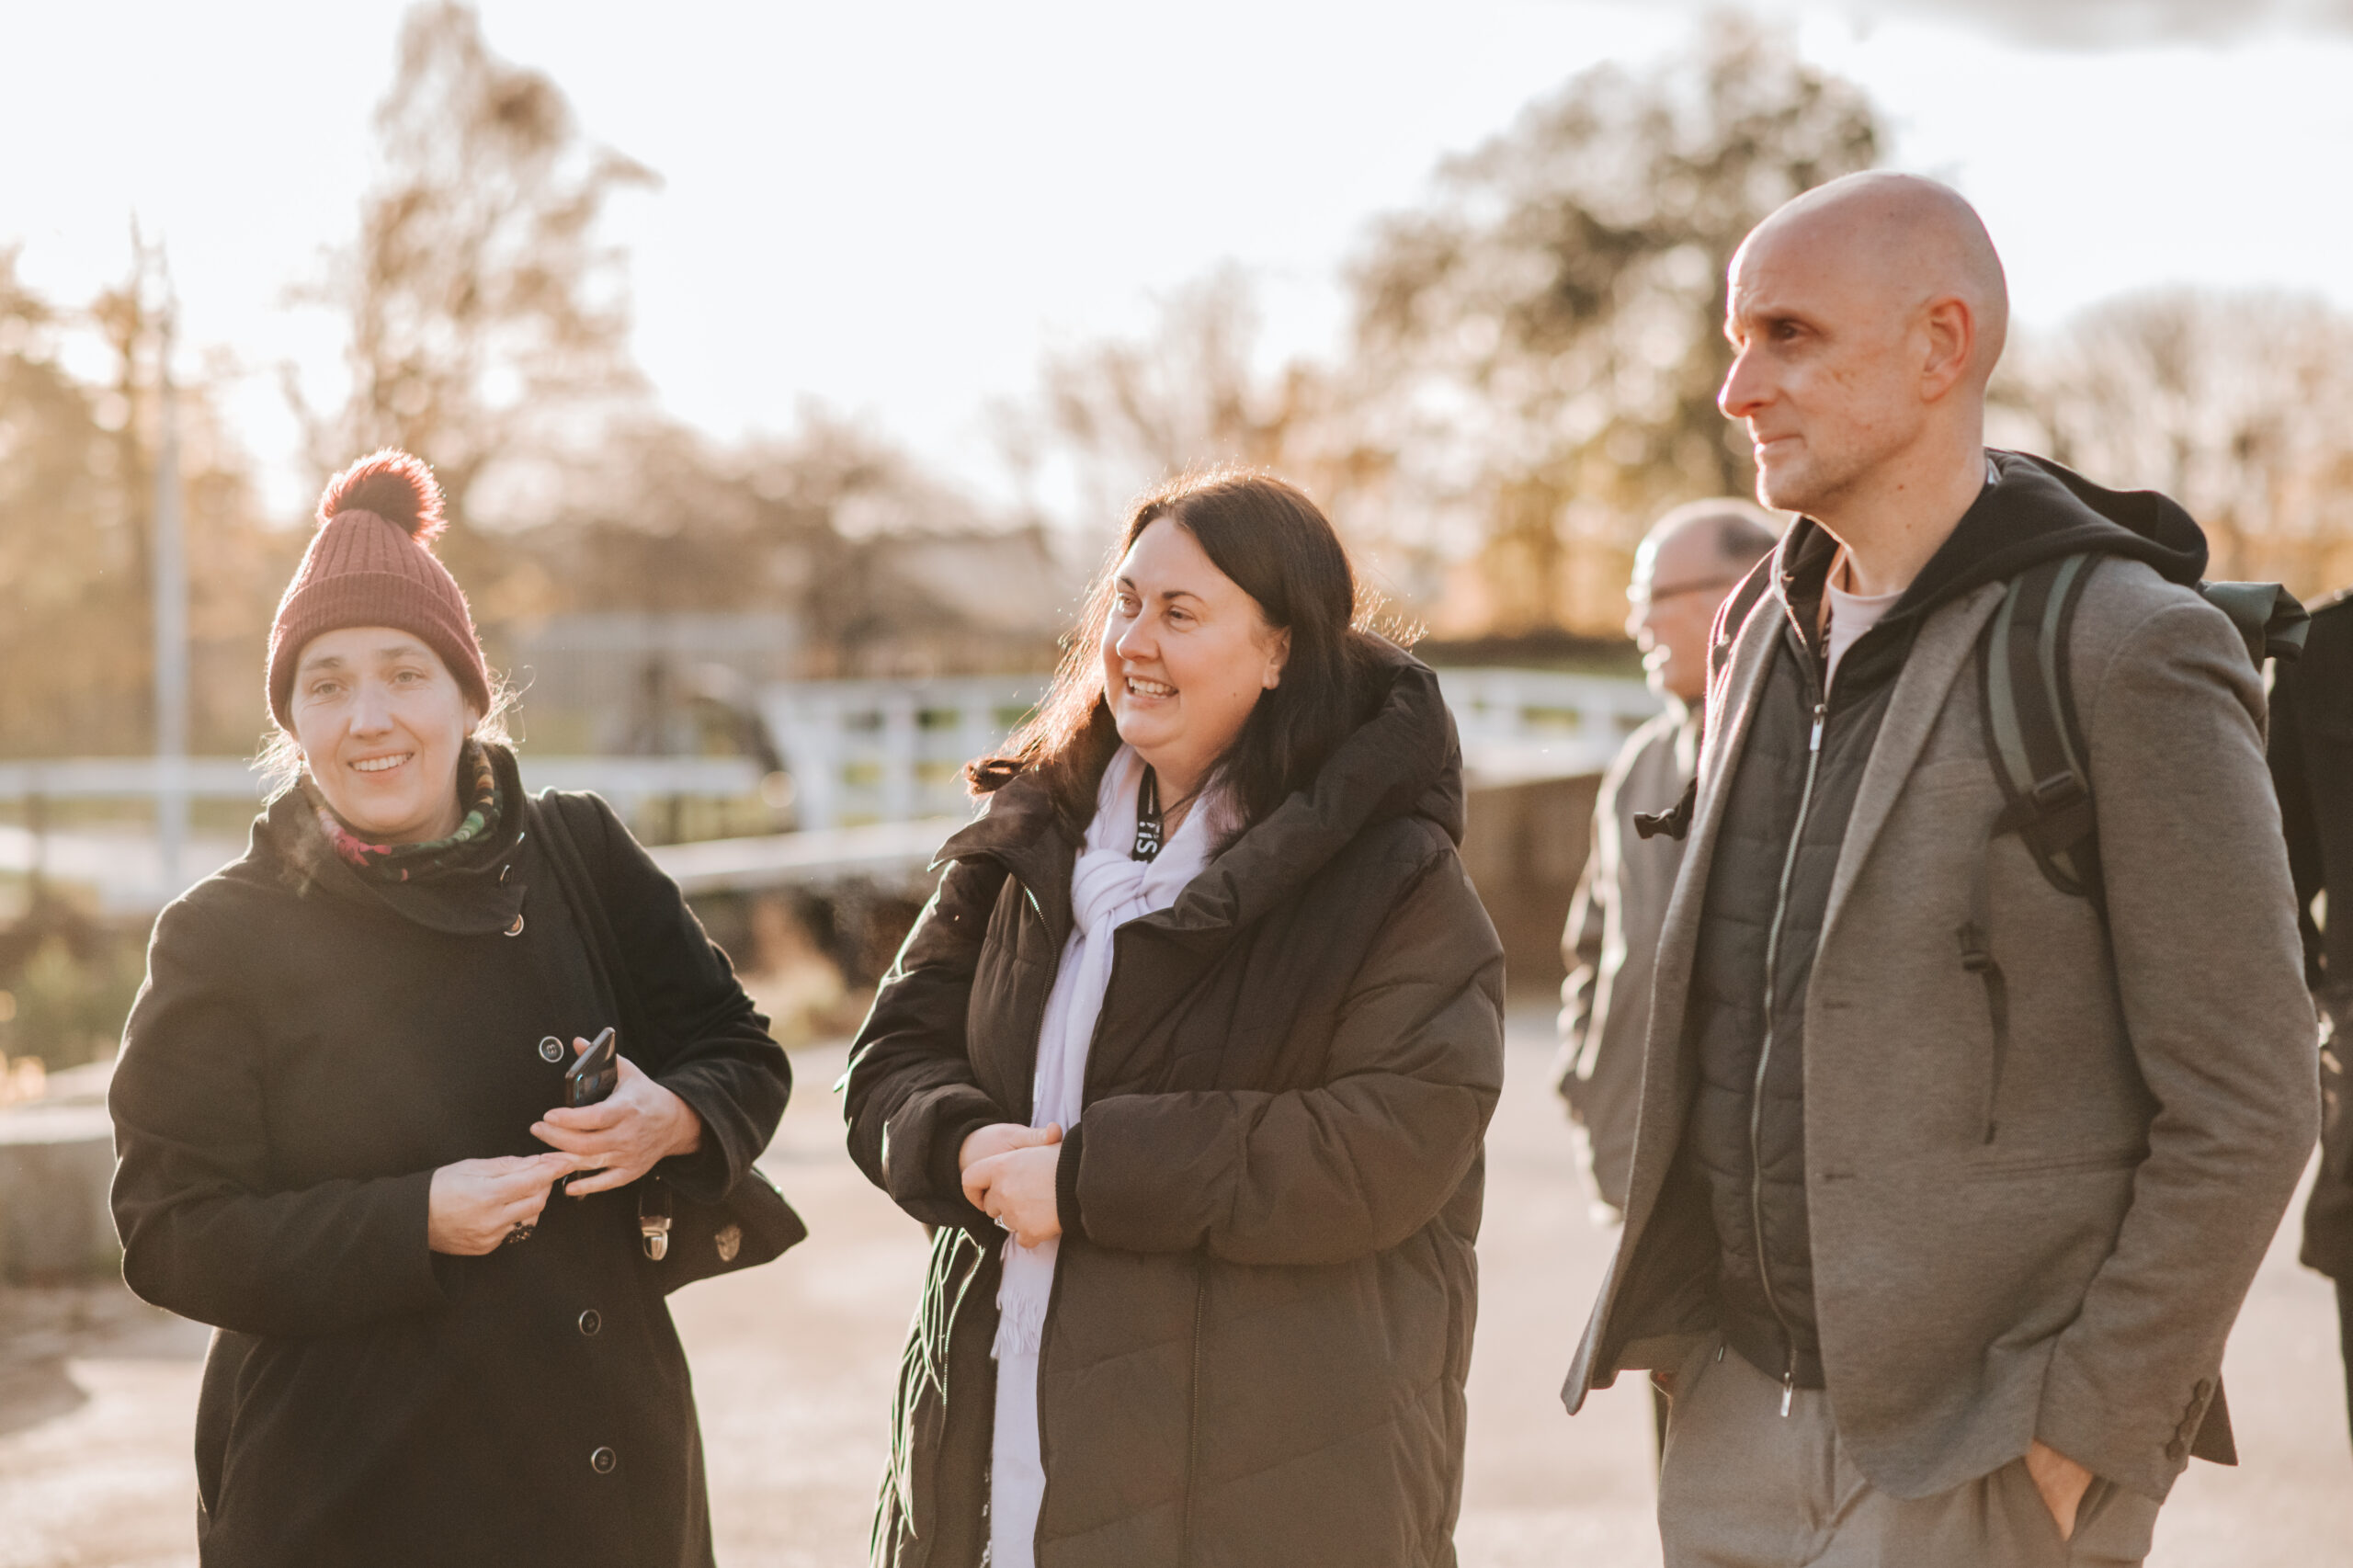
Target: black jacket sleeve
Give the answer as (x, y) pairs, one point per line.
(203, 1234)
(2291, 779)
(910, 1095)
(711, 1045)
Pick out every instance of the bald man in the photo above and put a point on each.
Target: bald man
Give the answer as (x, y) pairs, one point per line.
(1947, 1182)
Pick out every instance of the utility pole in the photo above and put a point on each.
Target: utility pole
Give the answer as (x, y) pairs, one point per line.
(171, 609)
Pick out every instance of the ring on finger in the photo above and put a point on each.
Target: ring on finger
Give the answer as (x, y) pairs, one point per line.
(521, 1233)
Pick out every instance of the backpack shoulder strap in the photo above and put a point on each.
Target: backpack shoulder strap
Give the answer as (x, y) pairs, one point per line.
(2032, 733)
(2039, 759)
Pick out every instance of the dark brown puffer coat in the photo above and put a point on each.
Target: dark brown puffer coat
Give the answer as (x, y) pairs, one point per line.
(1257, 1341)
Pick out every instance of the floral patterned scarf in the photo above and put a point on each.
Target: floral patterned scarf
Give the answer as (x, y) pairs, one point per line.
(484, 803)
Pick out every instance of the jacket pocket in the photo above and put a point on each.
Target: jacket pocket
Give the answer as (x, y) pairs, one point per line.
(2057, 1165)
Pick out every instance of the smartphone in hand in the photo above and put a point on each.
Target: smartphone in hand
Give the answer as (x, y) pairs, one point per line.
(593, 1075)
(590, 1078)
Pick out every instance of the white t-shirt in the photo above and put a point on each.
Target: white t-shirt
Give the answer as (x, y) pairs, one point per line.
(1851, 615)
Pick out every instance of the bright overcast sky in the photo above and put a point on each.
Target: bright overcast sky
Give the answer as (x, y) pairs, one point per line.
(895, 209)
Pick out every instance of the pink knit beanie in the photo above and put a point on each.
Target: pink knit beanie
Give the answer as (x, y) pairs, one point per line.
(368, 565)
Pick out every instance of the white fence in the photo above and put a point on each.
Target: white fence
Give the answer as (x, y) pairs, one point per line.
(869, 751)
(859, 753)
(894, 751)
(1521, 725)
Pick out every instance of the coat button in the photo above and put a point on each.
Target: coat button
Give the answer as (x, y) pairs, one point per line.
(603, 1460)
(550, 1049)
(590, 1322)
(2174, 1450)
(516, 929)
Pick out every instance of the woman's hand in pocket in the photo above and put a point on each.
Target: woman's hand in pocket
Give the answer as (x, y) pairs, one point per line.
(475, 1205)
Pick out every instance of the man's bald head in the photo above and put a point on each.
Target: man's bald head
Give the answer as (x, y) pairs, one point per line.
(1866, 317)
(1911, 239)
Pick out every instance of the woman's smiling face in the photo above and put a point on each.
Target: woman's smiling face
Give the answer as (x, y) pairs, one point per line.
(1186, 653)
(380, 722)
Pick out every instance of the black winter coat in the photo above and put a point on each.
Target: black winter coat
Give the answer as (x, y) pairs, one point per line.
(308, 1046)
(1261, 1320)
(2312, 765)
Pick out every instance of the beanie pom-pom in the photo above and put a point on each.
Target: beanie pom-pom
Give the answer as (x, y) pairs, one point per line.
(395, 486)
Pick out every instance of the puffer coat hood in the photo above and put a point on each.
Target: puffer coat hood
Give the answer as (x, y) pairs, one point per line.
(1262, 1312)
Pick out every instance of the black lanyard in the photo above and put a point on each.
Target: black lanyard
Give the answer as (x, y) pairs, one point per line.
(1149, 836)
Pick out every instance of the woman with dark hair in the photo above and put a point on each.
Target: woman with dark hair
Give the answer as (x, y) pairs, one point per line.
(342, 1110)
(1189, 1061)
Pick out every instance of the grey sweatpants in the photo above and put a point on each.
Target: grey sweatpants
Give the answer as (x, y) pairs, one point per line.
(1743, 1486)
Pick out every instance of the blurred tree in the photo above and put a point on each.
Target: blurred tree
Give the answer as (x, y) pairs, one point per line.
(1194, 391)
(76, 504)
(1132, 412)
(72, 613)
(488, 324)
(2238, 405)
(825, 523)
(1547, 330)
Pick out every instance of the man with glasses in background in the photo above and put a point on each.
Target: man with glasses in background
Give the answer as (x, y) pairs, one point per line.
(1686, 564)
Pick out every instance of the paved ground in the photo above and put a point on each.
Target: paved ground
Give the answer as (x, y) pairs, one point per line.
(793, 1365)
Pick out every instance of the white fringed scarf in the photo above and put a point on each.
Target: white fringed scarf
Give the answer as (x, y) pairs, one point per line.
(1106, 891)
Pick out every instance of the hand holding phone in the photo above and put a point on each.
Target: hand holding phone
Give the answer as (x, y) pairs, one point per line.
(622, 1123)
(589, 1079)
(592, 1076)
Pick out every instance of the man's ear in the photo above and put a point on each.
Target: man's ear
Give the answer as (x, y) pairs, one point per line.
(1278, 655)
(1950, 329)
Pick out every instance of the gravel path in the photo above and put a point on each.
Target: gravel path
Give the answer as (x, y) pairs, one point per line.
(793, 1366)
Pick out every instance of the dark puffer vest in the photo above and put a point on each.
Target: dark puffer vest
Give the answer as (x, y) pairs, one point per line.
(1261, 1323)
(1768, 888)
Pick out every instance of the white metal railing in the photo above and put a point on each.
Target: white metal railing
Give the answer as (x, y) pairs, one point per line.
(863, 751)
(892, 751)
(869, 751)
(1519, 725)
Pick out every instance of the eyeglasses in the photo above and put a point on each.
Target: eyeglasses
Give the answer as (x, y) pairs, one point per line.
(1659, 596)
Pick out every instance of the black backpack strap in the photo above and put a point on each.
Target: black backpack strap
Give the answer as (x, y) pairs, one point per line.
(2041, 762)
(2032, 733)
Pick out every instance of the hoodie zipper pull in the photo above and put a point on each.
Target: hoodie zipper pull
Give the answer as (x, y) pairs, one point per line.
(1820, 708)
(1790, 1383)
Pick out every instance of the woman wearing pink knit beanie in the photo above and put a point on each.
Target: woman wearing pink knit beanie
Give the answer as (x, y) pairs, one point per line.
(348, 1134)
